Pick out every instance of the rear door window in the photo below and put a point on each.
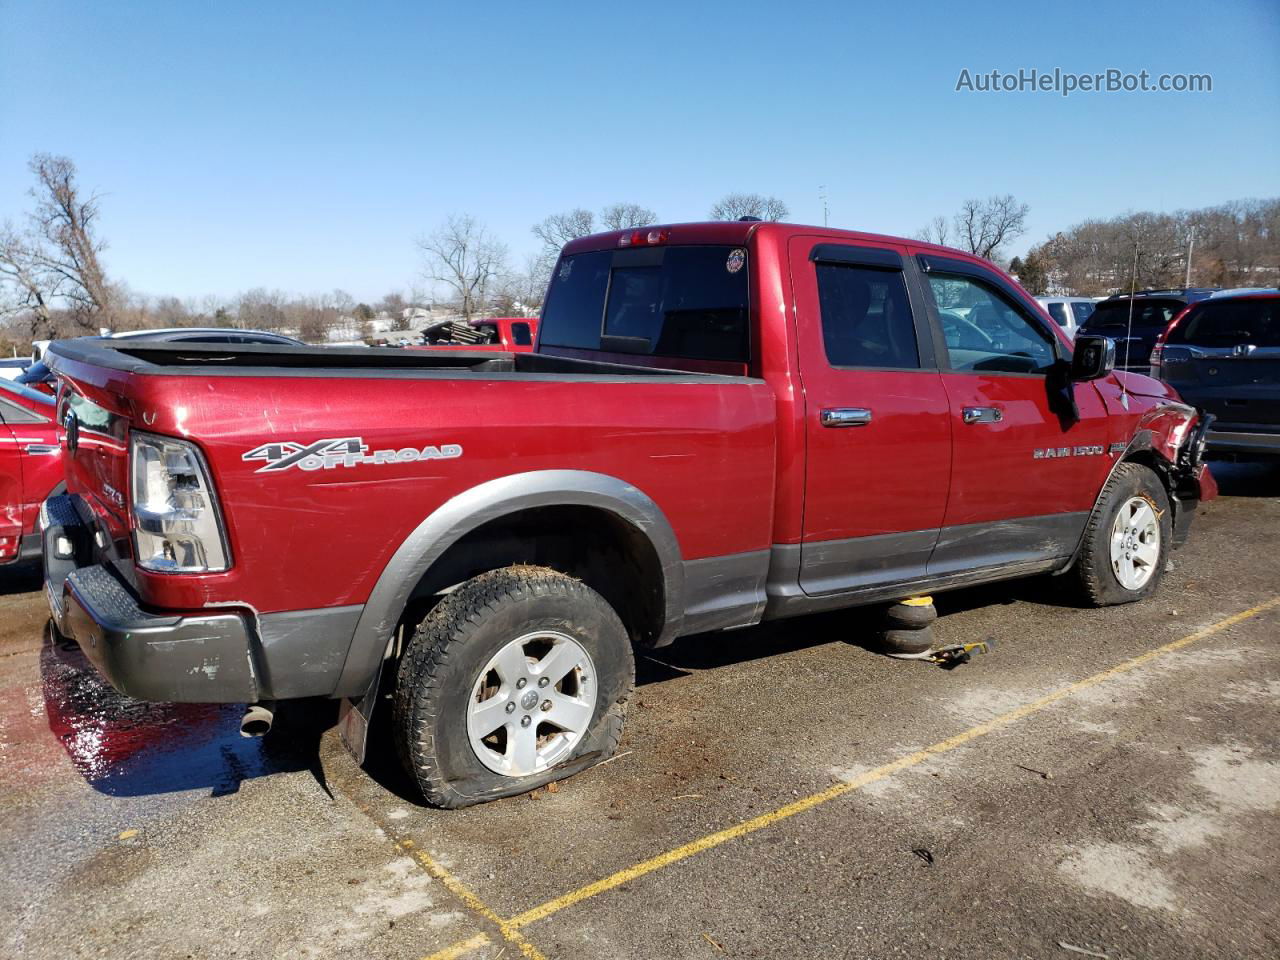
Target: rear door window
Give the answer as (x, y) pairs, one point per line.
(866, 317)
(1227, 323)
(520, 335)
(1058, 310)
(681, 302)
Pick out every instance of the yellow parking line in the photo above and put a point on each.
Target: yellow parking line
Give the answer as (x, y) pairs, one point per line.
(461, 948)
(478, 907)
(871, 776)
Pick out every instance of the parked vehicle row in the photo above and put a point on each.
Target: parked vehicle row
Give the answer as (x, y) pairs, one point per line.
(718, 424)
(1135, 320)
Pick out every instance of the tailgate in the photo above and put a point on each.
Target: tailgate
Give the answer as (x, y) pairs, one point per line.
(1235, 386)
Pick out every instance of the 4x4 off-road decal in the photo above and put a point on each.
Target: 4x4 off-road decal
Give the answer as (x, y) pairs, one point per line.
(340, 452)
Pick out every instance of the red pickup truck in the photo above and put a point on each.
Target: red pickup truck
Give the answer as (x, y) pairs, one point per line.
(721, 423)
(491, 334)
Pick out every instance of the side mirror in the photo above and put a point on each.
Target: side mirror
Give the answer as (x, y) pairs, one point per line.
(1093, 358)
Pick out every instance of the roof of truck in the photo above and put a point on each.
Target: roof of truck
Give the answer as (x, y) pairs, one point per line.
(739, 231)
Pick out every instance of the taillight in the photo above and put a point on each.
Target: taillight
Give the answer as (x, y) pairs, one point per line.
(177, 527)
(644, 238)
(1158, 350)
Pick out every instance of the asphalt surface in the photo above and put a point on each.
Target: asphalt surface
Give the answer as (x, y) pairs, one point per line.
(779, 791)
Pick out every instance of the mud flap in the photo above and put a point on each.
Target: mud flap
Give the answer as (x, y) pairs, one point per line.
(354, 717)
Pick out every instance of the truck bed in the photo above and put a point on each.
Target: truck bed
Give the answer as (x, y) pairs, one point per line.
(176, 359)
(430, 429)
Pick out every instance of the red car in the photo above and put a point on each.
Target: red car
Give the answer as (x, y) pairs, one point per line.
(502, 334)
(30, 467)
(722, 423)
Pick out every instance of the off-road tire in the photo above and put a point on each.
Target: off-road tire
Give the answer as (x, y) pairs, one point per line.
(451, 645)
(1095, 582)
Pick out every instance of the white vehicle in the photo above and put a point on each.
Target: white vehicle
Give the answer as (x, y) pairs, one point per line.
(1069, 313)
(12, 367)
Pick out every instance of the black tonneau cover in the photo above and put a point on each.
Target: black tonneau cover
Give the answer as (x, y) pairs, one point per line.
(262, 360)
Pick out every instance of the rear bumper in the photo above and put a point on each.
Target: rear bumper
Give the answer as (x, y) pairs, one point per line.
(214, 656)
(1240, 441)
(200, 658)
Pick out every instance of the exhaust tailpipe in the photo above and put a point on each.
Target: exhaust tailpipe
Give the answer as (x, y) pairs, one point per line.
(256, 721)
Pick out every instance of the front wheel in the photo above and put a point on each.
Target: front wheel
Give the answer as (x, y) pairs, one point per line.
(518, 677)
(1126, 544)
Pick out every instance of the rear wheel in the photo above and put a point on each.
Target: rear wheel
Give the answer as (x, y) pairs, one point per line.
(518, 677)
(1126, 544)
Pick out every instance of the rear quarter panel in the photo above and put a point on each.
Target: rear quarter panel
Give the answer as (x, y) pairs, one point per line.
(703, 452)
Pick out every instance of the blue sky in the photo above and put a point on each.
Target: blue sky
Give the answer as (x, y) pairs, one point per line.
(303, 146)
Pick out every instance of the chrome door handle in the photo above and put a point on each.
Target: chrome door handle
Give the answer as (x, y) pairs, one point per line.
(846, 417)
(40, 448)
(982, 415)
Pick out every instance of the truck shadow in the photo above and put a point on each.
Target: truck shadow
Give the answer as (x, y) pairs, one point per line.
(24, 577)
(126, 748)
(859, 626)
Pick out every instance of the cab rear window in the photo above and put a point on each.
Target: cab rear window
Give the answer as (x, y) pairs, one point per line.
(1226, 323)
(679, 302)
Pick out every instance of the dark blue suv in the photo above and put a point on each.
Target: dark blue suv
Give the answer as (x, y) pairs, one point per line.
(1151, 310)
(1223, 356)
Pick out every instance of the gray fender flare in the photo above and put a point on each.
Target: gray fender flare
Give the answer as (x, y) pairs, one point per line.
(1141, 442)
(479, 505)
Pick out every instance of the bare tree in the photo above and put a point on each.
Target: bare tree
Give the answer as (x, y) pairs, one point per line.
(65, 220)
(982, 227)
(625, 216)
(32, 286)
(261, 309)
(466, 259)
(987, 225)
(395, 308)
(558, 229)
(520, 292)
(735, 206)
(937, 231)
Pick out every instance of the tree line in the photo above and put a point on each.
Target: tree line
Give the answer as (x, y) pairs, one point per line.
(53, 284)
(1232, 245)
